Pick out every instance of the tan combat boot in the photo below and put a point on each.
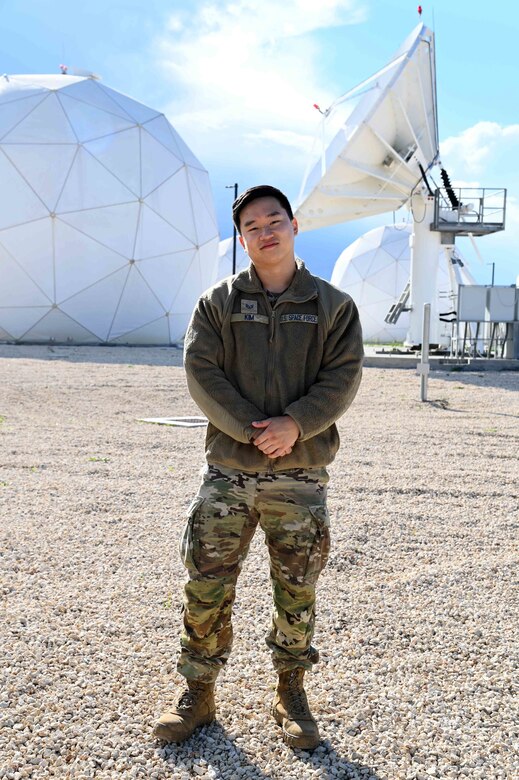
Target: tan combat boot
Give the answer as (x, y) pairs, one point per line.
(196, 707)
(291, 711)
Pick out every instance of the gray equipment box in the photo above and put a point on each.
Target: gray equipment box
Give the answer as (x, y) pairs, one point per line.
(472, 303)
(501, 304)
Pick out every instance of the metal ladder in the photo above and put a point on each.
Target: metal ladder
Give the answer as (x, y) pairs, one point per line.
(397, 308)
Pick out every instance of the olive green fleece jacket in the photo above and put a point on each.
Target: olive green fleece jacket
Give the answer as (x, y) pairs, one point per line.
(246, 360)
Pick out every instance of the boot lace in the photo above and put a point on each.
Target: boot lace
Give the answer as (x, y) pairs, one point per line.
(185, 701)
(297, 702)
(189, 696)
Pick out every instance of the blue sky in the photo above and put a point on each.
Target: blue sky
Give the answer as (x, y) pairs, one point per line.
(238, 80)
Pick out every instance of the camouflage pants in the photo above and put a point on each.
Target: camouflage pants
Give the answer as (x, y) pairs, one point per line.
(291, 510)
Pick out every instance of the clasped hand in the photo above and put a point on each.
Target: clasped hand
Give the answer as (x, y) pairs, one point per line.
(276, 435)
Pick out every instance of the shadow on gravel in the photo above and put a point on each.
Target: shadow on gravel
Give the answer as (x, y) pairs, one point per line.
(213, 746)
(441, 403)
(335, 766)
(506, 380)
(210, 745)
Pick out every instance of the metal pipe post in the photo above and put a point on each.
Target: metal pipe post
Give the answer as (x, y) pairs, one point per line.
(423, 365)
(234, 233)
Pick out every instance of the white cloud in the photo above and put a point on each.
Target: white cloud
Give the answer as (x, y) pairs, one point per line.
(303, 143)
(478, 147)
(250, 67)
(174, 23)
(488, 153)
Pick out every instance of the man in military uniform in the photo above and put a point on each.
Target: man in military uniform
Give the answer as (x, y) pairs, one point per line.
(273, 357)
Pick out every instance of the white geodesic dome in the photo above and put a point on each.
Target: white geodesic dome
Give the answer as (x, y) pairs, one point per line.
(107, 227)
(374, 270)
(225, 251)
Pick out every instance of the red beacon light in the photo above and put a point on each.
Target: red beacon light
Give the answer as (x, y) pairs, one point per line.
(419, 9)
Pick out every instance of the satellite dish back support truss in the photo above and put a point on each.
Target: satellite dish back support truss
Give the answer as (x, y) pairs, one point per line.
(371, 160)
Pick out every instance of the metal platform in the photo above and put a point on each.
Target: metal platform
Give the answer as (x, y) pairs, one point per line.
(469, 211)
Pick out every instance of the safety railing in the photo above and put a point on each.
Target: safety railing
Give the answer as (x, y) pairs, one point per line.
(469, 210)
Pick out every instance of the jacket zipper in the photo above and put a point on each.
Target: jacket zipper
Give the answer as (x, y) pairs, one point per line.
(270, 367)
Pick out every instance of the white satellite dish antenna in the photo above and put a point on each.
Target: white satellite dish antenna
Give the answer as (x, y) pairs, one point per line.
(377, 143)
(370, 159)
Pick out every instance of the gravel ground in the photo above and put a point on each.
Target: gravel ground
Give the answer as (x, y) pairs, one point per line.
(417, 619)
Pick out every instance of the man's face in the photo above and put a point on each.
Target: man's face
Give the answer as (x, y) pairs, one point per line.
(267, 233)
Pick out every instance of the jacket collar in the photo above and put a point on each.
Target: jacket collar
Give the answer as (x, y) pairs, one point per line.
(302, 287)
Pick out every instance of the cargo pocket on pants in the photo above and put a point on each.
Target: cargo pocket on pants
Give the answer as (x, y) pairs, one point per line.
(320, 545)
(188, 541)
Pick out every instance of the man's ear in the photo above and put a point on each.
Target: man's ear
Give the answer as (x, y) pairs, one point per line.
(295, 226)
(242, 242)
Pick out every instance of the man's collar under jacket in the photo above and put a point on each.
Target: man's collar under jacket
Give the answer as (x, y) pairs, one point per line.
(301, 288)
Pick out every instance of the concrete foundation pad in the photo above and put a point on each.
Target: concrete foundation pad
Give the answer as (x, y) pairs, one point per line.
(372, 359)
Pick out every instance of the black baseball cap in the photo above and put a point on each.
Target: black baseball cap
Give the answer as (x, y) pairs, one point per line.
(253, 193)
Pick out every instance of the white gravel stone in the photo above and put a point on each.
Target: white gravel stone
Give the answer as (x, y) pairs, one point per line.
(417, 610)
